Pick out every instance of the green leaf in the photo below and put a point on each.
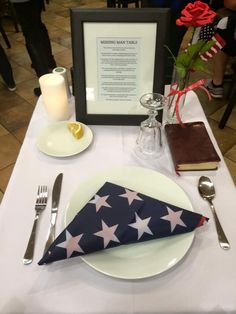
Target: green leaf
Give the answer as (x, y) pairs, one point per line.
(194, 49)
(183, 59)
(181, 70)
(170, 52)
(207, 46)
(199, 64)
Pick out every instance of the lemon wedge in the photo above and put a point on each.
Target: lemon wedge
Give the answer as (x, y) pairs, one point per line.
(76, 129)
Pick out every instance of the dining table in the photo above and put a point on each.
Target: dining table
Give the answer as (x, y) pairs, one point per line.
(201, 280)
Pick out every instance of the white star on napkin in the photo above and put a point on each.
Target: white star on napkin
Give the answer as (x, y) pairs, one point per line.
(131, 196)
(100, 201)
(71, 244)
(107, 233)
(141, 225)
(174, 218)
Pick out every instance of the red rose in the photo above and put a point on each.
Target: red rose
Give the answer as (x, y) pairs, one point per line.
(196, 14)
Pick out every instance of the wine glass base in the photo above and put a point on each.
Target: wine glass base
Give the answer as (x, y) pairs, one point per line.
(148, 155)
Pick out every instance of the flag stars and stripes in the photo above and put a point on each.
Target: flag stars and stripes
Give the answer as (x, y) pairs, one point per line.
(100, 201)
(107, 233)
(131, 196)
(219, 44)
(174, 218)
(71, 244)
(206, 32)
(120, 217)
(141, 225)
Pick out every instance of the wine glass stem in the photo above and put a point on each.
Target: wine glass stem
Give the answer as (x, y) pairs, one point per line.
(152, 117)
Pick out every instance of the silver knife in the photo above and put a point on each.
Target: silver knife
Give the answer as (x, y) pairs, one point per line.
(55, 202)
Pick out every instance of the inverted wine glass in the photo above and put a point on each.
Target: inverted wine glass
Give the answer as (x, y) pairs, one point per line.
(149, 141)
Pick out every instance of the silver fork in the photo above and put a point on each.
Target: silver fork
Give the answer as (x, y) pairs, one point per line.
(40, 205)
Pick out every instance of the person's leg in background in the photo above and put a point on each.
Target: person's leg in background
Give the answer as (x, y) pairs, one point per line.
(45, 37)
(111, 3)
(36, 36)
(28, 14)
(226, 28)
(6, 71)
(215, 86)
(220, 62)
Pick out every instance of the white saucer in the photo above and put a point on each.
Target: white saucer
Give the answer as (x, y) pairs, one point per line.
(56, 140)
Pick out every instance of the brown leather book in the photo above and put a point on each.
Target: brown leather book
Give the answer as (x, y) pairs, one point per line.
(191, 147)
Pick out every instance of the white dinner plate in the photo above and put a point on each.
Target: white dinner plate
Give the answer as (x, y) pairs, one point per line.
(56, 140)
(141, 260)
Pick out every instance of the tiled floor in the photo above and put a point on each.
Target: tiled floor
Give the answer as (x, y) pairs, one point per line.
(16, 107)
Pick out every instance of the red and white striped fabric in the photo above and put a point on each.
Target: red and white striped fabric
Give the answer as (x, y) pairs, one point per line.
(219, 44)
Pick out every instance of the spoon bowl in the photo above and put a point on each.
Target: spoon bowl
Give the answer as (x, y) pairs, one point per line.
(206, 188)
(207, 191)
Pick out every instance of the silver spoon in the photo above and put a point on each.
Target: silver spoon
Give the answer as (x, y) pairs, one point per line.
(207, 191)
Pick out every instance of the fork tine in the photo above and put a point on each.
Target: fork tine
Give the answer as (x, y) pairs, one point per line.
(41, 198)
(38, 195)
(41, 195)
(45, 194)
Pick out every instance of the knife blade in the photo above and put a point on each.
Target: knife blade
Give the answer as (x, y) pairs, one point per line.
(56, 192)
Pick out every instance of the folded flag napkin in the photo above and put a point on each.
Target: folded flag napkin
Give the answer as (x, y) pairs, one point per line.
(116, 216)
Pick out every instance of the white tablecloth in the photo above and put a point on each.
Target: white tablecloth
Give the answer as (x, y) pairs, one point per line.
(203, 282)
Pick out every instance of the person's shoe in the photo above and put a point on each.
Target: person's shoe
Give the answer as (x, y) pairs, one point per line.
(215, 91)
(11, 88)
(37, 91)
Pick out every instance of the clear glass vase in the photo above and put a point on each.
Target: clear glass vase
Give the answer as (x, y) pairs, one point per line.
(176, 97)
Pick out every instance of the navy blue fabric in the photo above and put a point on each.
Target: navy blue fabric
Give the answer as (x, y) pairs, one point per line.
(120, 214)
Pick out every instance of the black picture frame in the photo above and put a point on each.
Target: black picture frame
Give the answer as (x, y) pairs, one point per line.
(159, 16)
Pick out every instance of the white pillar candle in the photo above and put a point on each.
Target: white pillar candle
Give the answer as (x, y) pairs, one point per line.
(54, 96)
(62, 71)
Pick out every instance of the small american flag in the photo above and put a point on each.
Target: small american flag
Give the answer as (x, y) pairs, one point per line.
(207, 33)
(116, 216)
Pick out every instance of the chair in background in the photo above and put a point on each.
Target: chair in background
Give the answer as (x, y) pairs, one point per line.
(231, 99)
(43, 4)
(4, 35)
(7, 10)
(12, 15)
(125, 3)
(121, 3)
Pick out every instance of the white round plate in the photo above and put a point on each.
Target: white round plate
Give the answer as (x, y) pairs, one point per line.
(56, 140)
(141, 260)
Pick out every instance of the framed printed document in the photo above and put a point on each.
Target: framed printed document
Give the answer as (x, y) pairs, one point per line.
(118, 55)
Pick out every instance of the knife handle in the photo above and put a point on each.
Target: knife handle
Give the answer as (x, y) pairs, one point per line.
(51, 238)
